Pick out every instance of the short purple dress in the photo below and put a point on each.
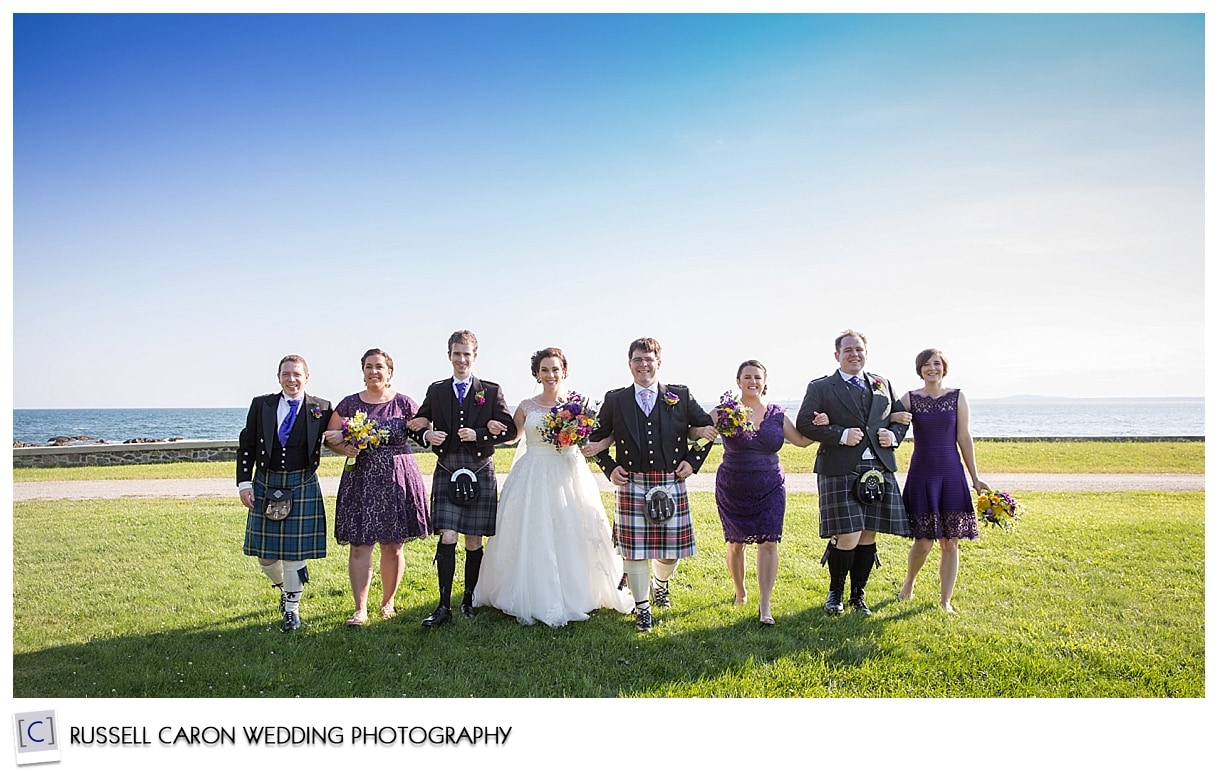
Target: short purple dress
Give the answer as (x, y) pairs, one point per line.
(937, 495)
(381, 498)
(750, 485)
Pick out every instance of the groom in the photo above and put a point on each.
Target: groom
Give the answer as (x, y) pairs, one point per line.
(859, 438)
(465, 418)
(650, 423)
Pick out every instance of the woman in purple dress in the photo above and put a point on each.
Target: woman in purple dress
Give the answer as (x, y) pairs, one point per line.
(750, 487)
(381, 498)
(936, 495)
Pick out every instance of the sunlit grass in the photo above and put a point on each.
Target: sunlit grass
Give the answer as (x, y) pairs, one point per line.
(1097, 596)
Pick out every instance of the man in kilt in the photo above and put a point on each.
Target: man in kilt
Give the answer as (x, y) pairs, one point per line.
(651, 423)
(462, 418)
(277, 457)
(859, 437)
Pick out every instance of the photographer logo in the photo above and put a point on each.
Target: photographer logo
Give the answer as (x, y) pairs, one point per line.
(36, 737)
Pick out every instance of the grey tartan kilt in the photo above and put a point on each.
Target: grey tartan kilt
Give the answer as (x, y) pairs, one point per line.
(476, 518)
(302, 534)
(842, 512)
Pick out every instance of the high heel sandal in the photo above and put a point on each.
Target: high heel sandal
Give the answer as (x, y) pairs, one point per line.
(766, 621)
(388, 611)
(358, 619)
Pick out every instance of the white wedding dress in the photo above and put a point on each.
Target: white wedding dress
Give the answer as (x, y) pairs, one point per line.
(551, 559)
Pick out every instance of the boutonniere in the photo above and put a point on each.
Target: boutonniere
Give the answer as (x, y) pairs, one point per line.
(480, 396)
(315, 411)
(671, 398)
(877, 385)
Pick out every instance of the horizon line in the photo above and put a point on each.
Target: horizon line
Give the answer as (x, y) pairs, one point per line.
(1008, 398)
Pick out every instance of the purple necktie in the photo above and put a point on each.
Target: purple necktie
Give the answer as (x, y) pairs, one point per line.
(645, 394)
(857, 381)
(289, 421)
(461, 392)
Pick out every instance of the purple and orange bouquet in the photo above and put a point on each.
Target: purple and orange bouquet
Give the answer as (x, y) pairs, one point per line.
(362, 432)
(569, 422)
(996, 508)
(732, 417)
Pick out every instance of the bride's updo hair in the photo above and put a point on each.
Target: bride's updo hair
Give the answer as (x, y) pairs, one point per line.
(551, 351)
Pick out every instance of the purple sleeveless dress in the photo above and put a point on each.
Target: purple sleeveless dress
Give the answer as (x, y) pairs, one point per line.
(381, 498)
(936, 492)
(750, 485)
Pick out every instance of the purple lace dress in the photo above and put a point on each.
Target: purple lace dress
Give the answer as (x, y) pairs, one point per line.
(936, 492)
(750, 485)
(382, 498)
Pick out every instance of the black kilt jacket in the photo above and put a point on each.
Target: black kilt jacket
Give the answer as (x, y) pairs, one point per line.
(257, 441)
(655, 443)
(847, 408)
(484, 403)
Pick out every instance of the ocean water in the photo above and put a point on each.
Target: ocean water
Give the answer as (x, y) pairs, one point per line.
(990, 418)
(118, 424)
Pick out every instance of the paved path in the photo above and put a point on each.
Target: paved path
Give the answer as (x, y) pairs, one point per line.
(114, 489)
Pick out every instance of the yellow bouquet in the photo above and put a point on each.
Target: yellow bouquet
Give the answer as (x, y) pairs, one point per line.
(362, 432)
(996, 508)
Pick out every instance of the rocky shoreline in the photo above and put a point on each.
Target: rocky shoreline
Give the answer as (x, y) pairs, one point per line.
(60, 442)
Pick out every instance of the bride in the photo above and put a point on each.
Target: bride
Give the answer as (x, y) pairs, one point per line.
(551, 559)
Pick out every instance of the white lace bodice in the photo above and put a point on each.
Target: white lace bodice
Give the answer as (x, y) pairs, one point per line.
(534, 414)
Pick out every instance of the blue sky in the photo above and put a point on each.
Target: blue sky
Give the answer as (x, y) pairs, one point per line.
(195, 196)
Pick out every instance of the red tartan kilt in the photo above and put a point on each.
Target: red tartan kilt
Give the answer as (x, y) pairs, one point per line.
(636, 537)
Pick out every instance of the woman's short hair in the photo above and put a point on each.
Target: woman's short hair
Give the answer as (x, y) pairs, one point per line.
(549, 351)
(922, 358)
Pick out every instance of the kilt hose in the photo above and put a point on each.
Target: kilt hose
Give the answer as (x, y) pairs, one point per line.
(476, 518)
(842, 512)
(302, 534)
(636, 537)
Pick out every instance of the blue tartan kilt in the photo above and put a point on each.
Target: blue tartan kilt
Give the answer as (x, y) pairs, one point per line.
(476, 518)
(841, 512)
(300, 536)
(636, 537)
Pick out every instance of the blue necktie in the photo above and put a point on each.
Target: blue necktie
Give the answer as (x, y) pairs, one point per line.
(288, 421)
(857, 381)
(461, 387)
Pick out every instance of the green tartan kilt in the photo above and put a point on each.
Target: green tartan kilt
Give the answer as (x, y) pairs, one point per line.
(302, 535)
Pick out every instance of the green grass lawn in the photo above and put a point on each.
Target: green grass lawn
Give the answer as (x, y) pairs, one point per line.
(1095, 596)
(992, 457)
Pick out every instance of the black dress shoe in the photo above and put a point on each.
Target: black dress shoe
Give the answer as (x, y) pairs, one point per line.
(291, 621)
(860, 606)
(467, 610)
(438, 617)
(833, 603)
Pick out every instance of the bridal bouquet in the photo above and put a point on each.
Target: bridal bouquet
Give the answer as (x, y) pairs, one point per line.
(362, 432)
(996, 508)
(732, 418)
(569, 422)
